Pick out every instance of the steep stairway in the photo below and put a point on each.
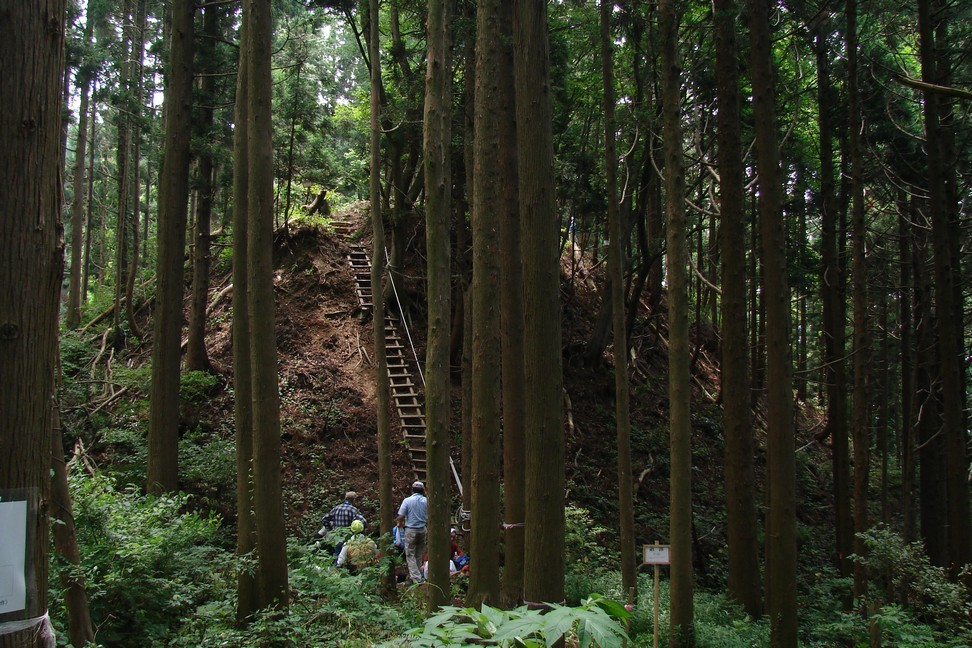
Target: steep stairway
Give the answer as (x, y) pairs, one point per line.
(403, 388)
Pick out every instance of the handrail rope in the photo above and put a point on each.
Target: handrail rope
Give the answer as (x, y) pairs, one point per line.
(411, 344)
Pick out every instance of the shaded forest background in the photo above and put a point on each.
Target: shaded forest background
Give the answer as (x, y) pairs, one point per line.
(755, 254)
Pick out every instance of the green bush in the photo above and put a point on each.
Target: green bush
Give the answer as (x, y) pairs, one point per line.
(147, 565)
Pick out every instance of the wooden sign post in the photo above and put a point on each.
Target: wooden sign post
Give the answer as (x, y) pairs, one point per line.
(656, 555)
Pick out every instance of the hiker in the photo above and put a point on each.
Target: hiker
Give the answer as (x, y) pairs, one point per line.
(398, 536)
(358, 551)
(459, 559)
(342, 515)
(412, 513)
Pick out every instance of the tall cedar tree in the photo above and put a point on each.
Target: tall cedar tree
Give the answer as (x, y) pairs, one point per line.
(616, 265)
(831, 286)
(486, 369)
(543, 578)
(246, 585)
(681, 630)
(271, 540)
(83, 81)
(781, 554)
(862, 354)
(377, 264)
(950, 336)
(163, 437)
(123, 128)
(511, 306)
(744, 582)
(438, 190)
(31, 69)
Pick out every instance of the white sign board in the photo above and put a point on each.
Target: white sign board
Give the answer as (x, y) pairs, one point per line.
(13, 551)
(656, 555)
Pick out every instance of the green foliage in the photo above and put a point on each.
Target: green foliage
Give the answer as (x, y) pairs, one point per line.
(596, 622)
(584, 545)
(911, 581)
(147, 565)
(195, 386)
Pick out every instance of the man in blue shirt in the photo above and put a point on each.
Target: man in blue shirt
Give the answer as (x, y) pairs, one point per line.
(414, 512)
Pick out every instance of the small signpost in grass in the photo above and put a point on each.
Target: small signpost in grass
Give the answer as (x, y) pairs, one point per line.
(657, 555)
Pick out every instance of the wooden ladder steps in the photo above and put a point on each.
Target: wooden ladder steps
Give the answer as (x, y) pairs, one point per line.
(408, 403)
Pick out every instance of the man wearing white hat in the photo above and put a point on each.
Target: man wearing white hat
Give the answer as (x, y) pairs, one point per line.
(414, 512)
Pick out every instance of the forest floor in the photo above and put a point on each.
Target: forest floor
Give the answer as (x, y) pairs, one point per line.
(328, 412)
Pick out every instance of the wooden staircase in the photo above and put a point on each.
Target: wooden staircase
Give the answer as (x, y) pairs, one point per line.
(404, 392)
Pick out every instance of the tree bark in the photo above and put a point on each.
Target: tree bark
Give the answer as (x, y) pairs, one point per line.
(781, 550)
(831, 283)
(246, 586)
(163, 437)
(31, 246)
(949, 326)
(438, 197)
(681, 629)
(744, 581)
(616, 264)
(488, 185)
(83, 80)
(271, 540)
(540, 232)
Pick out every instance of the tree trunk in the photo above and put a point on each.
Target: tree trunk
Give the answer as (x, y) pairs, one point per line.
(833, 319)
(488, 185)
(861, 433)
(781, 551)
(377, 263)
(122, 159)
(272, 581)
(906, 353)
(512, 318)
(80, 630)
(246, 586)
(540, 232)
(86, 266)
(615, 252)
(163, 437)
(138, 46)
(197, 358)
(744, 581)
(681, 630)
(31, 68)
(77, 206)
(949, 326)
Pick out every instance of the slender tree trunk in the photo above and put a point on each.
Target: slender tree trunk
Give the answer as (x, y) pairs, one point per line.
(77, 206)
(540, 231)
(622, 413)
(438, 195)
(931, 457)
(512, 318)
(377, 264)
(163, 438)
(861, 433)
(197, 358)
(138, 46)
(488, 184)
(905, 325)
(80, 630)
(744, 581)
(86, 265)
(833, 319)
(31, 69)
(122, 158)
(949, 326)
(781, 553)
(271, 540)
(682, 628)
(246, 586)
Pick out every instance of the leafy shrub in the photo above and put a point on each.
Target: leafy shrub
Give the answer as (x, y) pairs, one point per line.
(597, 621)
(146, 564)
(910, 580)
(195, 386)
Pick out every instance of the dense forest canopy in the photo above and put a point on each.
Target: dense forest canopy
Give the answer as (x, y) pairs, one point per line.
(668, 266)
